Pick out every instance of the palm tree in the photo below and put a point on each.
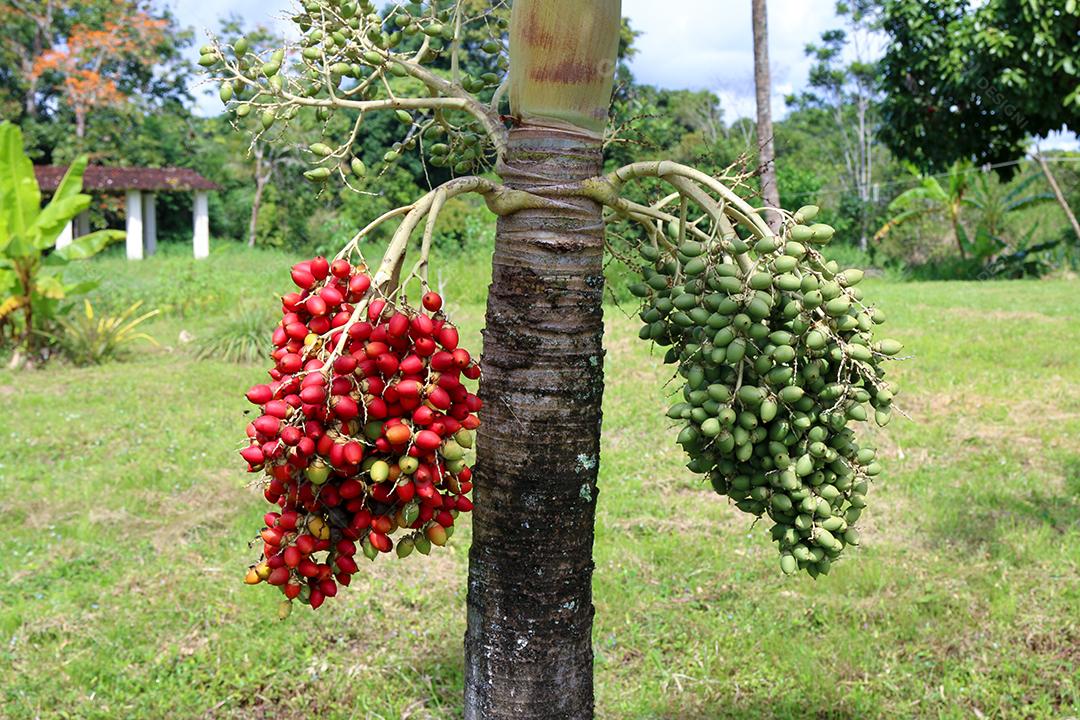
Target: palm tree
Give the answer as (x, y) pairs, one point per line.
(930, 199)
(770, 193)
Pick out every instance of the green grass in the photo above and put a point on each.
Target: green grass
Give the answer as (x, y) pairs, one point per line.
(128, 519)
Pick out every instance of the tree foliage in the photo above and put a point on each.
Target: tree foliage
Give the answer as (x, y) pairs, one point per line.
(974, 81)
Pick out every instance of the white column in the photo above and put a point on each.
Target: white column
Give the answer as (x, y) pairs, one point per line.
(201, 239)
(134, 225)
(150, 223)
(82, 224)
(65, 237)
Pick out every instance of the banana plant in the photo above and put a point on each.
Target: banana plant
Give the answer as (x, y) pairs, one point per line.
(931, 198)
(32, 283)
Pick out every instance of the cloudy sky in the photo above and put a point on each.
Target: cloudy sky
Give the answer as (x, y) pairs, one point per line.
(693, 44)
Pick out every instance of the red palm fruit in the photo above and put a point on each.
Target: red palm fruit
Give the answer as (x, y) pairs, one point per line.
(271, 536)
(457, 413)
(250, 431)
(293, 400)
(424, 347)
(360, 331)
(307, 568)
(432, 301)
(328, 587)
(424, 489)
(291, 435)
(343, 579)
(344, 365)
(350, 489)
(376, 408)
(471, 422)
(375, 349)
(280, 352)
(463, 504)
(305, 544)
(341, 318)
(290, 318)
(427, 440)
(398, 434)
(319, 325)
(436, 533)
(267, 425)
(423, 416)
(346, 564)
(390, 395)
(324, 572)
(472, 371)
(313, 364)
(345, 547)
(329, 496)
(409, 388)
(375, 308)
(313, 378)
(380, 541)
(406, 491)
(450, 381)
(421, 326)
(411, 365)
(387, 364)
(439, 398)
(375, 385)
(354, 452)
(331, 296)
(293, 556)
(451, 424)
(341, 385)
(465, 486)
(316, 599)
(358, 285)
(340, 268)
(274, 561)
(270, 519)
(292, 590)
(279, 338)
(337, 455)
(473, 402)
(306, 446)
(260, 394)
(381, 493)
(382, 445)
(289, 301)
(444, 518)
(439, 426)
(344, 407)
(287, 521)
(426, 513)
(397, 326)
(361, 520)
(314, 430)
(278, 576)
(296, 330)
(302, 277)
(320, 267)
(313, 395)
(448, 337)
(316, 305)
(290, 363)
(442, 361)
(462, 358)
(253, 454)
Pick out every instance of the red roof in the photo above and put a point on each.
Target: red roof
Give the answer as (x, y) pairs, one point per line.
(119, 179)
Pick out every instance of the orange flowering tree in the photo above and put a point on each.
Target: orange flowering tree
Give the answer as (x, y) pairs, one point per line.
(86, 68)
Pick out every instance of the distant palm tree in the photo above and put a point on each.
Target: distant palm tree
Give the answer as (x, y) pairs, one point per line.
(930, 199)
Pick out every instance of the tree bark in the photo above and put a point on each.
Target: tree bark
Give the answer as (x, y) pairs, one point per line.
(528, 647)
(1062, 201)
(770, 193)
(261, 179)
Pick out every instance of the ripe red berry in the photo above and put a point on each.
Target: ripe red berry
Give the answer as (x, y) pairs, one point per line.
(319, 268)
(340, 268)
(260, 394)
(432, 301)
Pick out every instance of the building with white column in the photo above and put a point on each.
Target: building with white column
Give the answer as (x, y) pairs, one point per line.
(140, 187)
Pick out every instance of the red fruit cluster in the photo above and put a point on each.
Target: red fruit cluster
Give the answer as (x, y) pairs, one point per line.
(363, 431)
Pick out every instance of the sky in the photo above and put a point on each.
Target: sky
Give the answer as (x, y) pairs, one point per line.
(685, 44)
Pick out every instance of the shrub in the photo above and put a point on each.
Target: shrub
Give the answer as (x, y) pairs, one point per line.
(243, 338)
(87, 339)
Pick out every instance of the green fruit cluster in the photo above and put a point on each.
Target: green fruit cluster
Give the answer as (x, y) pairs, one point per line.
(776, 348)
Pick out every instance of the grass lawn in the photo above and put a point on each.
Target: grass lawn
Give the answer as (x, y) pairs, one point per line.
(129, 515)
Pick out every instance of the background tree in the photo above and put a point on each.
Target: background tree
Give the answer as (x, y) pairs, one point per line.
(843, 81)
(770, 193)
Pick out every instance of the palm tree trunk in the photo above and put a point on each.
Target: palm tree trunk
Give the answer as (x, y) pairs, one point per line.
(1058, 194)
(770, 193)
(528, 646)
